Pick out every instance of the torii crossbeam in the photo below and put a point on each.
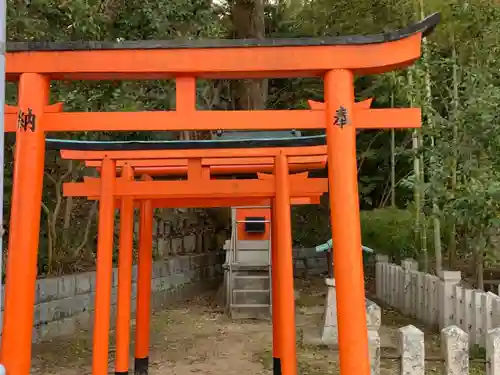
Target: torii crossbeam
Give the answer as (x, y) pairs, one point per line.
(33, 65)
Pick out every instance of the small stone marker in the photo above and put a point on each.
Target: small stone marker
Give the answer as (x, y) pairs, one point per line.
(412, 351)
(493, 352)
(455, 347)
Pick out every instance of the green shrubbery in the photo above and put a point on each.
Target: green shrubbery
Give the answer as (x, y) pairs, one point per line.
(389, 231)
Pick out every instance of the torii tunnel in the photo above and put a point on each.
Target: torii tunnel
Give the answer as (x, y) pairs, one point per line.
(281, 166)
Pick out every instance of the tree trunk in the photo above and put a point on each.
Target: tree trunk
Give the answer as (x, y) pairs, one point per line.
(248, 22)
(480, 264)
(420, 229)
(67, 220)
(428, 101)
(393, 150)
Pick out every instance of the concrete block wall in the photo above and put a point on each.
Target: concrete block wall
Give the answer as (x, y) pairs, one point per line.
(66, 304)
(309, 262)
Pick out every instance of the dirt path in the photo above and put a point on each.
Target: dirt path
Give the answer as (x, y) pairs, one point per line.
(186, 340)
(196, 339)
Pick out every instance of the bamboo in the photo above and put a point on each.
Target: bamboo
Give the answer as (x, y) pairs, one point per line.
(393, 150)
(452, 244)
(428, 101)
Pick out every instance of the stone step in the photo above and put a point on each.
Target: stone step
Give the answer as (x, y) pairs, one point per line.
(255, 282)
(237, 267)
(251, 297)
(256, 311)
(264, 272)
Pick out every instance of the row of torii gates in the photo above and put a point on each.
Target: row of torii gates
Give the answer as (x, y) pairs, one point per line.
(139, 173)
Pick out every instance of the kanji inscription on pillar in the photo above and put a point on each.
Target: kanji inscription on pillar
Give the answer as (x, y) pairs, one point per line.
(26, 121)
(341, 117)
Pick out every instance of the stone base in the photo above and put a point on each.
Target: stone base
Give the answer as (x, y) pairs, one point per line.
(329, 331)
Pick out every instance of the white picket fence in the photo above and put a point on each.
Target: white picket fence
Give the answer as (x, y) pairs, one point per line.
(437, 301)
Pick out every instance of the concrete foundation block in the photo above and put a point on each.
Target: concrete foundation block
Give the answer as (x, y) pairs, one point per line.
(134, 273)
(47, 289)
(83, 285)
(66, 286)
(93, 282)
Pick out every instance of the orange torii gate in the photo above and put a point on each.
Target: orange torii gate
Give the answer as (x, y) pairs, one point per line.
(129, 168)
(33, 65)
(305, 190)
(211, 166)
(215, 166)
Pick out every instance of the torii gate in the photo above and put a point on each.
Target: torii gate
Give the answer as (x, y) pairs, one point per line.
(197, 171)
(215, 167)
(336, 59)
(169, 194)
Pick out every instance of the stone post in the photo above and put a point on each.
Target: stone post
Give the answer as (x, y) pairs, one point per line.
(407, 265)
(412, 351)
(487, 303)
(329, 335)
(373, 321)
(393, 291)
(446, 301)
(493, 352)
(468, 315)
(380, 275)
(495, 314)
(459, 307)
(434, 300)
(478, 332)
(455, 347)
(420, 294)
(413, 293)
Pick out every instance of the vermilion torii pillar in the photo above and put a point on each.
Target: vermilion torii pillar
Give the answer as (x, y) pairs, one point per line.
(337, 59)
(344, 211)
(24, 225)
(105, 236)
(125, 258)
(144, 274)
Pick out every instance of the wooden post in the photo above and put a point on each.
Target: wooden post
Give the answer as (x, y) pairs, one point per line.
(124, 279)
(24, 225)
(104, 269)
(145, 269)
(275, 287)
(286, 296)
(346, 232)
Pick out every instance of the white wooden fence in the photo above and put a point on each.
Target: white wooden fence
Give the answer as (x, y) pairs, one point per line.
(437, 301)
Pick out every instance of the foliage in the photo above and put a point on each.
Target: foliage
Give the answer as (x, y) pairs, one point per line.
(311, 225)
(389, 231)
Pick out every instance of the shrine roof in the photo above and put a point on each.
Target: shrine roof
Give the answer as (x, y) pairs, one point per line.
(62, 144)
(426, 26)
